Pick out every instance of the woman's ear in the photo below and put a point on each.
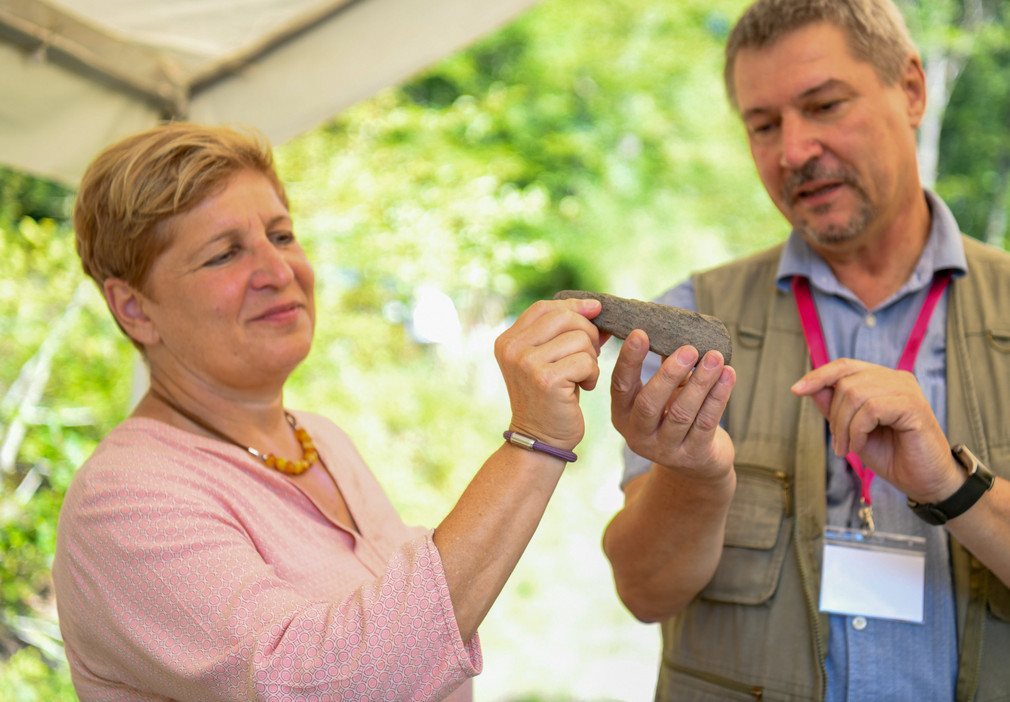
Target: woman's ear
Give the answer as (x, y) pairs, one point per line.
(128, 307)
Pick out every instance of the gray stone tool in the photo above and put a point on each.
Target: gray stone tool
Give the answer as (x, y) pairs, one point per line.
(668, 328)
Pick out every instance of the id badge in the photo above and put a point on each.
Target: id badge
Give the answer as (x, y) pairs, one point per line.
(874, 575)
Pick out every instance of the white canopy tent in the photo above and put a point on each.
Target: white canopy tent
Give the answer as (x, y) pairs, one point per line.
(75, 75)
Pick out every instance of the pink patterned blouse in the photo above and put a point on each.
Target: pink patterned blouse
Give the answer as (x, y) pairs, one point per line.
(187, 570)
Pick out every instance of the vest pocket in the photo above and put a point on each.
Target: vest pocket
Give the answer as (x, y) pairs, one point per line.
(677, 684)
(758, 533)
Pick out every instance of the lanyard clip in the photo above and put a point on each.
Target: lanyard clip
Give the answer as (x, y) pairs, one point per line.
(866, 517)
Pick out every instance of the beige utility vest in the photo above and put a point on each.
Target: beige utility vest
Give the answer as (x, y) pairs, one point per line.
(755, 631)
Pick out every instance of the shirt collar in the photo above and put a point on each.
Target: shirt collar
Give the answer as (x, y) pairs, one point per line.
(944, 250)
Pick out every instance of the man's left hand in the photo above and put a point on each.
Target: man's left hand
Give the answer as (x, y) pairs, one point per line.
(882, 415)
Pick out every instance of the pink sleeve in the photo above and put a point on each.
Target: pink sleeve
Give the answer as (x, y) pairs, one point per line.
(171, 595)
(392, 636)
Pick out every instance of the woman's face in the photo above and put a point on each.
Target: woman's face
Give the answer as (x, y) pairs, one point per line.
(231, 300)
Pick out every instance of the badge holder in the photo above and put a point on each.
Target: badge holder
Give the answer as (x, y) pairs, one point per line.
(873, 574)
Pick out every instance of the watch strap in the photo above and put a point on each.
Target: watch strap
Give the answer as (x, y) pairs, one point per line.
(980, 480)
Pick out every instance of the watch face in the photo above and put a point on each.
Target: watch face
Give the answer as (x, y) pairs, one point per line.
(966, 458)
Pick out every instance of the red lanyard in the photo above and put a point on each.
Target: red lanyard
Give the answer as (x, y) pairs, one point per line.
(814, 335)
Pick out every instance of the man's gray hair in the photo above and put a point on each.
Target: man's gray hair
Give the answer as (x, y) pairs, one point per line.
(876, 32)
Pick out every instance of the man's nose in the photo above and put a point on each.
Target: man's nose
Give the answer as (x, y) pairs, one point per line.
(800, 143)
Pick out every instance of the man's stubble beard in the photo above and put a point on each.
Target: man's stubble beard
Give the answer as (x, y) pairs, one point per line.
(832, 233)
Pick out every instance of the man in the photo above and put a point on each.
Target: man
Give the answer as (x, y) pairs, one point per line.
(732, 491)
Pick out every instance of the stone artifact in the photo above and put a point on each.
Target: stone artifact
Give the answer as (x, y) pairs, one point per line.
(668, 328)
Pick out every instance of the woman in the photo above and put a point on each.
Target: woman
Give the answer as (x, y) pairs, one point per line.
(217, 546)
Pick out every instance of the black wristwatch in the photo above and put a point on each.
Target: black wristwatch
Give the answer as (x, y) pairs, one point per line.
(980, 480)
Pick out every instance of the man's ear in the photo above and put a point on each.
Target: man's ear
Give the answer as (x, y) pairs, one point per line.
(127, 305)
(913, 82)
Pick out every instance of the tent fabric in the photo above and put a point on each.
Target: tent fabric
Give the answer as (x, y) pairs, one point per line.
(76, 75)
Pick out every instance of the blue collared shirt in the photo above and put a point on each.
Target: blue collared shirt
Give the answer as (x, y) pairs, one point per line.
(872, 658)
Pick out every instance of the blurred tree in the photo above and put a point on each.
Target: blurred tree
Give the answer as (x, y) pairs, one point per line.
(974, 153)
(60, 366)
(963, 145)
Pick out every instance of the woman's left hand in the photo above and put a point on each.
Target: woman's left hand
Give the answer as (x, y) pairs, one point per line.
(546, 357)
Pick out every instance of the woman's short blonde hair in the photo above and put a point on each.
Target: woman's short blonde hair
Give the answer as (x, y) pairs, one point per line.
(144, 179)
(875, 29)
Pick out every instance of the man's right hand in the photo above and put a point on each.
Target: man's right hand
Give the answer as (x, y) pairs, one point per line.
(673, 420)
(665, 543)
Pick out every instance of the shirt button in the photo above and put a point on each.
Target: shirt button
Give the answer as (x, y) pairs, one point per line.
(871, 321)
(859, 623)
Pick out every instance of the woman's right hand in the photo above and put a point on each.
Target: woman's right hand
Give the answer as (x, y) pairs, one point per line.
(546, 357)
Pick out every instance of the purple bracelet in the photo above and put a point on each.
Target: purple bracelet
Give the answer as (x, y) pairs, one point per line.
(531, 444)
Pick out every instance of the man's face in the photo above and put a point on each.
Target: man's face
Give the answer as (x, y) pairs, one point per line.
(834, 147)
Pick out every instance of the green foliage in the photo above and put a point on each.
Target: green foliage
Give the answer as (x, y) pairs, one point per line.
(975, 151)
(973, 37)
(59, 369)
(21, 196)
(512, 169)
(26, 677)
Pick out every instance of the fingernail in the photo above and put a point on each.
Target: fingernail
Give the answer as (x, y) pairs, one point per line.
(686, 356)
(710, 361)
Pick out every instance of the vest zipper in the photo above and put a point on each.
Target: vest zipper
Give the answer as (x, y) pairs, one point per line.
(755, 691)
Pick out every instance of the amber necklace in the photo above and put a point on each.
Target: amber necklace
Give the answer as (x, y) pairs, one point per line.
(309, 453)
